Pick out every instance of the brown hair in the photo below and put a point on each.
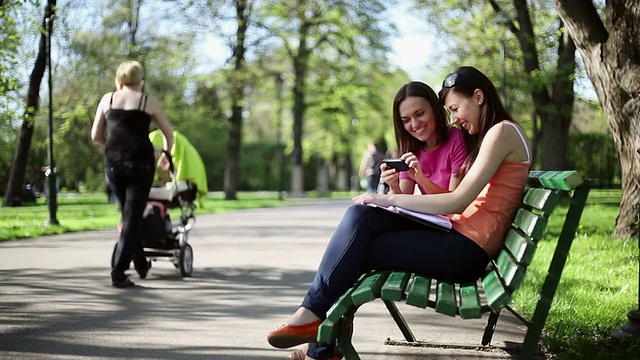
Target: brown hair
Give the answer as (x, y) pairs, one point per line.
(404, 141)
(466, 80)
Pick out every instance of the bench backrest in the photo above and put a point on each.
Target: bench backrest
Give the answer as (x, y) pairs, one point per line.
(544, 191)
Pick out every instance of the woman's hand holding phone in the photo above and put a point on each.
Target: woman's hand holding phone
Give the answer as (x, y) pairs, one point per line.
(391, 177)
(415, 169)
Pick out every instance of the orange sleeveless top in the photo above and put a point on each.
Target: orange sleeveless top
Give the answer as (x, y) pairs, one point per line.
(487, 219)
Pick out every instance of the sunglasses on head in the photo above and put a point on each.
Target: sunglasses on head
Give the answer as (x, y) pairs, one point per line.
(454, 79)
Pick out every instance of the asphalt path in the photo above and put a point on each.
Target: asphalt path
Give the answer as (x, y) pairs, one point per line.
(251, 270)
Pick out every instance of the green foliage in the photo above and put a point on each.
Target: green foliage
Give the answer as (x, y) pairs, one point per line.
(473, 34)
(9, 86)
(594, 156)
(260, 166)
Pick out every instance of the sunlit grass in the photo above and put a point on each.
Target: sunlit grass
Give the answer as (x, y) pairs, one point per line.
(599, 285)
(93, 212)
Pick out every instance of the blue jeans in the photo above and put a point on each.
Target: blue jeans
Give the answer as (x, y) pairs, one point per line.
(368, 238)
(130, 183)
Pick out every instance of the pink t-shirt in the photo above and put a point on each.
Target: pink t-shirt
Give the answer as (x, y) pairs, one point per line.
(438, 164)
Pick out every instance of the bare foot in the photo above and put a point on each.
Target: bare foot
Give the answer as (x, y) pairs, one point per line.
(302, 316)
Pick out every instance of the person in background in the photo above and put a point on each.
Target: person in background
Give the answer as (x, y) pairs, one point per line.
(127, 114)
(433, 150)
(481, 209)
(370, 166)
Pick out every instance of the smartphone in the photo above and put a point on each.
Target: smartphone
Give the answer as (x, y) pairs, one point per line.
(397, 164)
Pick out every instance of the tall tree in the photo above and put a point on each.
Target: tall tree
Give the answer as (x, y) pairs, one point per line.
(553, 102)
(610, 49)
(9, 83)
(16, 176)
(238, 80)
(210, 15)
(546, 55)
(315, 27)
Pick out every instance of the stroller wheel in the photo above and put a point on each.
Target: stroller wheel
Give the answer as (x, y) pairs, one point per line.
(186, 260)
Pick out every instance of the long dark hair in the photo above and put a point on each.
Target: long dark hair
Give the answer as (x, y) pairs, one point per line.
(465, 81)
(404, 141)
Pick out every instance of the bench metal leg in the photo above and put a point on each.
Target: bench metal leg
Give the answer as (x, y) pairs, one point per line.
(490, 328)
(400, 321)
(550, 285)
(345, 333)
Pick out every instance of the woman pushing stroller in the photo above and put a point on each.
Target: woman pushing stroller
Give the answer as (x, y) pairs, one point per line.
(130, 165)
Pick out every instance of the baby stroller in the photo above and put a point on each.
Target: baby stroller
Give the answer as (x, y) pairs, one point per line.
(159, 236)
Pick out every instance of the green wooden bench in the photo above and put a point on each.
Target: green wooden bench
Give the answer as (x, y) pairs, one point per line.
(490, 294)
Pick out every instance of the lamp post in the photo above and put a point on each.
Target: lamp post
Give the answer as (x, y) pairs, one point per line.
(52, 201)
(279, 85)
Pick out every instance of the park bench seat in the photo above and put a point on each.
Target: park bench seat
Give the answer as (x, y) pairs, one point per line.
(490, 294)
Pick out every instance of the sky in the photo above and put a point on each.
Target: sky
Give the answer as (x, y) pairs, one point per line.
(414, 43)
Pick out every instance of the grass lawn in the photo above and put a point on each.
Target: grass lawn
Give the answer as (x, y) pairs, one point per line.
(92, 212)
(599, 284)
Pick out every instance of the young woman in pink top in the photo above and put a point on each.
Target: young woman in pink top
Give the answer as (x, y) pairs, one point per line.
(481, 208)
(433, 150)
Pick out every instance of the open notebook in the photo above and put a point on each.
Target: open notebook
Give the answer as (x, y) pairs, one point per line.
(437, 221)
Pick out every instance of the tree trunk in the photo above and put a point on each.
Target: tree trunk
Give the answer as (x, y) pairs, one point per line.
(232, 170)
(300, 64)
(612, 61)
(19, 166)
(554, 115)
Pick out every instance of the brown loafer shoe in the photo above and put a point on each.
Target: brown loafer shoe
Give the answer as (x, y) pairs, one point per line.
(291, 335)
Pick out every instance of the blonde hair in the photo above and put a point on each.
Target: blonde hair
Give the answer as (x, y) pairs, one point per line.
(129, 73)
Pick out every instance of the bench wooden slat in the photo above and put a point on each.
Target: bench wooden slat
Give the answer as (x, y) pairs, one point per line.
(418, 293)
(520, 246)
(531, 224)
(369, 289)
(470, 301)
(496, 294)
(393, 288)
(544, 200)
(446, 298)
(563, 180)
(512, 273)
